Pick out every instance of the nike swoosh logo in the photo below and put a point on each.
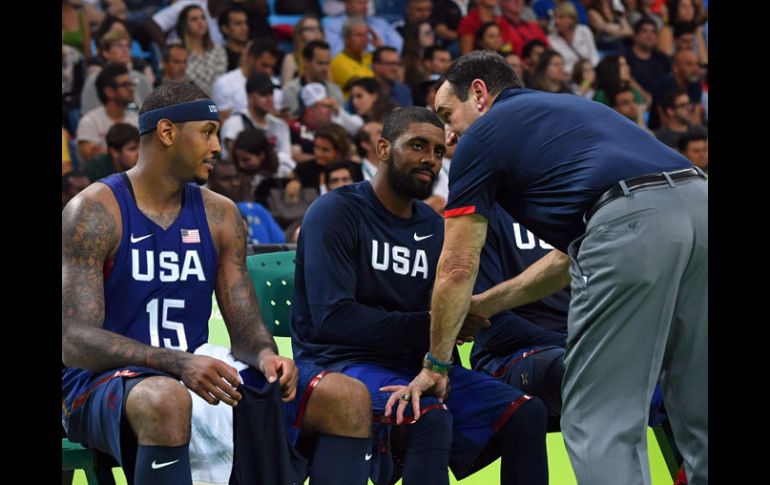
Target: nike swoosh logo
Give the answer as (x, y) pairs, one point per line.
(420, 238)
(368, 456)
(155, 466)
(137, 239)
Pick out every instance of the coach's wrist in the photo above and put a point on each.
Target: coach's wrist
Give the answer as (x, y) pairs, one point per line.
(431, 363)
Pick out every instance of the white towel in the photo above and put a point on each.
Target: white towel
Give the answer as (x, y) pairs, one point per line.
(211, 434)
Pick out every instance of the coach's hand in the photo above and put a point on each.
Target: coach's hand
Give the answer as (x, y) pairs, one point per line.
(426, 382)
(211, 379)
(276, 367)
(472, 325)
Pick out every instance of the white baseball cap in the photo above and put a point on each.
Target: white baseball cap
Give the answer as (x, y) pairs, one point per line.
(312, 93)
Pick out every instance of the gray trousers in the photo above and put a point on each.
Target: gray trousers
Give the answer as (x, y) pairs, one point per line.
(639, 310)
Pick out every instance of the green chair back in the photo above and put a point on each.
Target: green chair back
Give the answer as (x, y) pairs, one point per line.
(273, 277)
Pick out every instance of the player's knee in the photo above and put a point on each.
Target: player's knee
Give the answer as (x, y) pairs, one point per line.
(527, 422)
(159, 410)
(437, 424)
(361, 406)
(554, 377)
(340, 405)
(352, 403)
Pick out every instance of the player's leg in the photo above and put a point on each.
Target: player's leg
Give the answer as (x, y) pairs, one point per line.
(492, 419)
(537, 371)
(337, 410)
(426, 441)
(158, 410)
(623, 297)
(685, 365)
(523, 449)
(96, 415)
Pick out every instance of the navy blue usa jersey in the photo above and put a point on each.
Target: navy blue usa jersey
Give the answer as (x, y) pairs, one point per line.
(158, 286)
(510, 249)
(363, 280)
(545, 158)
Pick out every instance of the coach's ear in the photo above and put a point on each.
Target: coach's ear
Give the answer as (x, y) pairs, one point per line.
(383, 149)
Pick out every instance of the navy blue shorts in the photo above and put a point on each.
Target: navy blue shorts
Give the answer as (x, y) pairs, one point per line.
(309, 375)
(95, 416)
(530, 370)
(480, 405)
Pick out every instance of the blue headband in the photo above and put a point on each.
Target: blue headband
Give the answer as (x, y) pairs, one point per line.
(198, 110)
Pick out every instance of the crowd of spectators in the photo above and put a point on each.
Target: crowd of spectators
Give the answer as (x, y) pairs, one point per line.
(304, 85)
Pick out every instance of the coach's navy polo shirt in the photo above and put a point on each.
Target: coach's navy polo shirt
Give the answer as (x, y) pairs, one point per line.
(545, 158)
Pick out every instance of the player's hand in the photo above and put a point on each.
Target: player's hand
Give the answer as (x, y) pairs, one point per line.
(276, 367)
(211, 379)
(471, 326)
(477, 307)
(426, 382)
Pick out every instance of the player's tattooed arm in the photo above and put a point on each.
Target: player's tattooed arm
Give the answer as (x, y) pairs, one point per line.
(89, 235)
(251, 342)
(215, 208)
(234, 289)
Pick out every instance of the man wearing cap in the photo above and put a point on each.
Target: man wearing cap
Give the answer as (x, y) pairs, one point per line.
(229, 89)
(259, 90)
(142, 252)
(318, 111)
(316, 56)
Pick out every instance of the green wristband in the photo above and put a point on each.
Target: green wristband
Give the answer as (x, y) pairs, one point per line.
(431, 363)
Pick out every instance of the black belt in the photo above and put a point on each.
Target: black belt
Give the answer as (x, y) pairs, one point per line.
(625, 187)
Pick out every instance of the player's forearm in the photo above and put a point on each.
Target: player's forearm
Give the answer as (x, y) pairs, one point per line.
(235, 292)
(99, 350)
(240, 308)
(351, 323)
(250, 346)
(544, 277)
